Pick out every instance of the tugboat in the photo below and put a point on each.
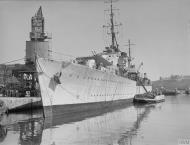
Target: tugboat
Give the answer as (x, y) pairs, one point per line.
(149, 97)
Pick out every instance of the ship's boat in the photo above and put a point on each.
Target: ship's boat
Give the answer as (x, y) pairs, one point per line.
(87, 83)
(149, 98)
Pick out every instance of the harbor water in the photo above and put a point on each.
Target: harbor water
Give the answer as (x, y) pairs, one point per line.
(166, 123)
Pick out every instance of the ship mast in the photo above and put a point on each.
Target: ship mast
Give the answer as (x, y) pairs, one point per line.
(129, 57)
(112, 26)
(114, 44)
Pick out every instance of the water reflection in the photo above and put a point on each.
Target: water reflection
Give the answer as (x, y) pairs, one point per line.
(22, 128)
(116, 126)
(3, 133)
(142, 113)
(30, 132)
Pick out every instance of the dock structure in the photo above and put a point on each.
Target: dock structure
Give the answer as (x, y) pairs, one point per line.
(18, 104)
(19, 85)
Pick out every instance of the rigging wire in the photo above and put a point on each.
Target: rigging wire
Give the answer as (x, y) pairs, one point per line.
(64, 54)
(12, 61)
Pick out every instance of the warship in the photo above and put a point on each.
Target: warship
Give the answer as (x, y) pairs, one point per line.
(102, 80)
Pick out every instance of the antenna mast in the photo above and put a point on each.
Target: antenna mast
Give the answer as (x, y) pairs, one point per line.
(129, 58)
(114, 44)
(112, 26)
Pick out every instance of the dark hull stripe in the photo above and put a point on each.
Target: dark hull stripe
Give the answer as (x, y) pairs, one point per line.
(59, 110)
(148, 101)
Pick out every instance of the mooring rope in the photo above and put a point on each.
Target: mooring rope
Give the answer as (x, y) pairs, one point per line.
(64, 54)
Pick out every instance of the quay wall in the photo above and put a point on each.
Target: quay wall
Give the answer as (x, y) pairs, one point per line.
(17, 103)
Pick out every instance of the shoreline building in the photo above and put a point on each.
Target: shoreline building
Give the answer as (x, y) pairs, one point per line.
(39, 44)
(25, 74)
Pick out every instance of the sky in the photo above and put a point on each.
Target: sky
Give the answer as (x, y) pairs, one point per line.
(160, 30)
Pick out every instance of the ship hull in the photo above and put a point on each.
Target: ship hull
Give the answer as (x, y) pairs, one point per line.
(68, 87)
(69, 109)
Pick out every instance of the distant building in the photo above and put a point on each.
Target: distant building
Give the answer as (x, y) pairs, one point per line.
(173, 82)
(172, 77)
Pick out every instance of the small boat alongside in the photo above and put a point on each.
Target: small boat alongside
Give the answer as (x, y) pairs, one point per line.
(149, 98)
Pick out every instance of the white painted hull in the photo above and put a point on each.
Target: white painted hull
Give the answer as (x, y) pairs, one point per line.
(79, 84)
